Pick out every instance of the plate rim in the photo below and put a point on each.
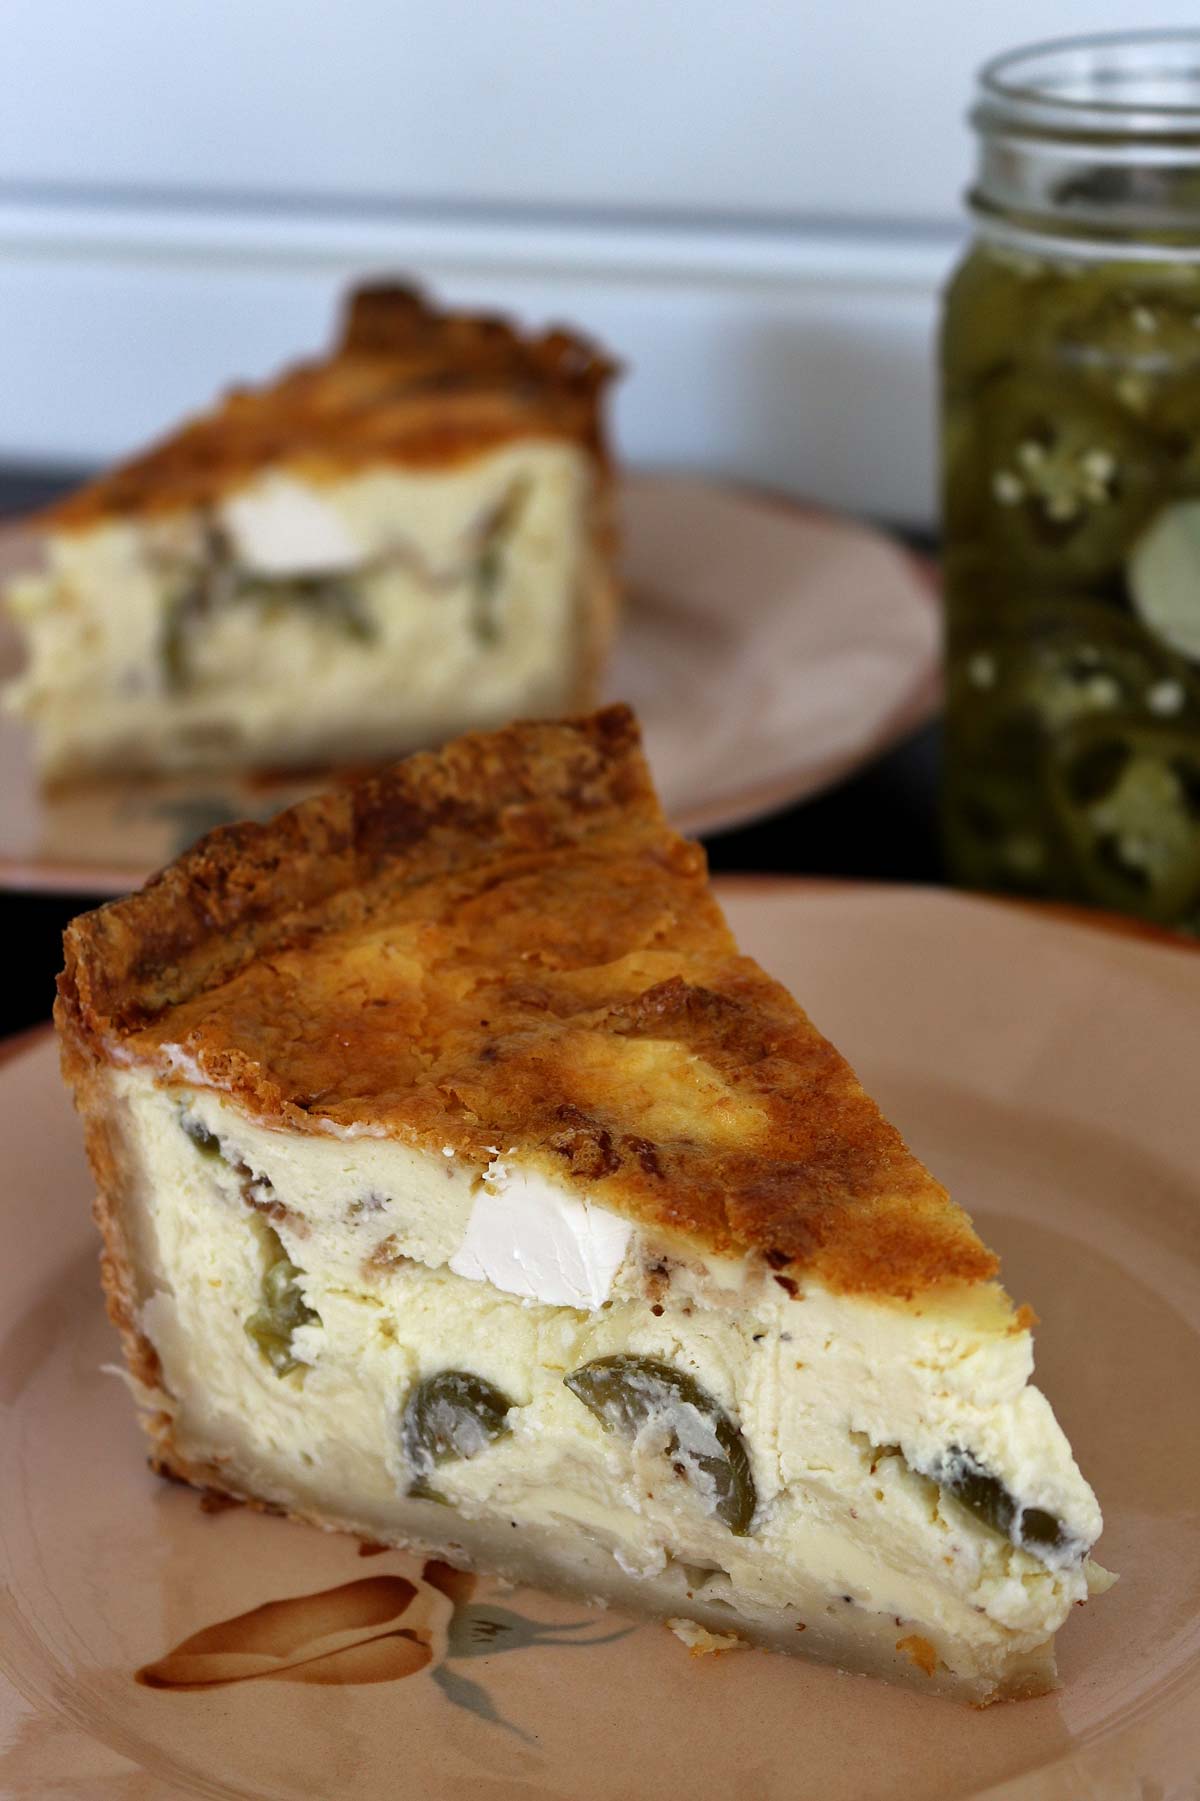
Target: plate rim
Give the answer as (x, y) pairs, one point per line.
(745, 806)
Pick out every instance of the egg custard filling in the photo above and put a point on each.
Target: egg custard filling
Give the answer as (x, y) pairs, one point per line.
(476, 1194)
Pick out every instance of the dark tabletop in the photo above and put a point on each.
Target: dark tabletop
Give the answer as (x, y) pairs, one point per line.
(880, 825)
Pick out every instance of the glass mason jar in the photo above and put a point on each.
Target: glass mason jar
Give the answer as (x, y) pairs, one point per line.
(1071, 472)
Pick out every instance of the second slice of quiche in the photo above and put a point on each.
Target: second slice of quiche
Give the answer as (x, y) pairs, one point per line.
(379, 549)
(463, 1186)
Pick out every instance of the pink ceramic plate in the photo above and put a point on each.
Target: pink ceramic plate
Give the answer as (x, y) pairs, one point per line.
(1045, 1068)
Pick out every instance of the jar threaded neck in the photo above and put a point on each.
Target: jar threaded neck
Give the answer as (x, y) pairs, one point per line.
(1093, 138)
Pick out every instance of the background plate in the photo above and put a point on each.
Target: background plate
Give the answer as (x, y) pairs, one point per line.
(1046, 1069)
(768, 650)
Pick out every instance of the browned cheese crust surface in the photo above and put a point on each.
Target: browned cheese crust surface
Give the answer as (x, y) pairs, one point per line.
(503, 946)
(408, 384)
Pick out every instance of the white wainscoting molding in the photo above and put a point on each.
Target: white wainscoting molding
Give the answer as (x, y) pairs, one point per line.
(800, 358)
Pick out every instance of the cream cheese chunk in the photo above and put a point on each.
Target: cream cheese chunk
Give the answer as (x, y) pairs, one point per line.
(529, 1238)
(343, 621)
(409, 1264)
(280, 526)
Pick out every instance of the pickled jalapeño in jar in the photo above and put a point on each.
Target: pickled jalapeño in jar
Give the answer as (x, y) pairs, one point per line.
(1071, 482)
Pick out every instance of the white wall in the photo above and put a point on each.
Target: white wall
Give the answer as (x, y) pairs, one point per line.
(754, 203)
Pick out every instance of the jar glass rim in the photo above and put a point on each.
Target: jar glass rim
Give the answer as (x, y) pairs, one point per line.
(1110, 76)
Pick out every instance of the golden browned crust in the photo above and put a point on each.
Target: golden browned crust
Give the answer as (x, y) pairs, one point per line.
(504, 945)
(408, 384)
(108, 1155)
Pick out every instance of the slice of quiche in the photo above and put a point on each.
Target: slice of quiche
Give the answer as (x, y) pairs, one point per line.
(376, 551)
(462, 1186)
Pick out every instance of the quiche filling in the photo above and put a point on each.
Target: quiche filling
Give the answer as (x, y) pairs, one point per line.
(297, 624)
(337, 1331)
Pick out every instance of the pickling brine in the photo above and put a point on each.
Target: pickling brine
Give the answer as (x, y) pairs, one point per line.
(1071, 472)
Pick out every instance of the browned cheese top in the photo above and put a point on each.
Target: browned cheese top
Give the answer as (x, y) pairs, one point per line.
(408, 384)
(503, 945)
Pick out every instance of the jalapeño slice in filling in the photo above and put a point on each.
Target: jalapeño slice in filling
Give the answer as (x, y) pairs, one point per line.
(666, 1411)
(448, 1416)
